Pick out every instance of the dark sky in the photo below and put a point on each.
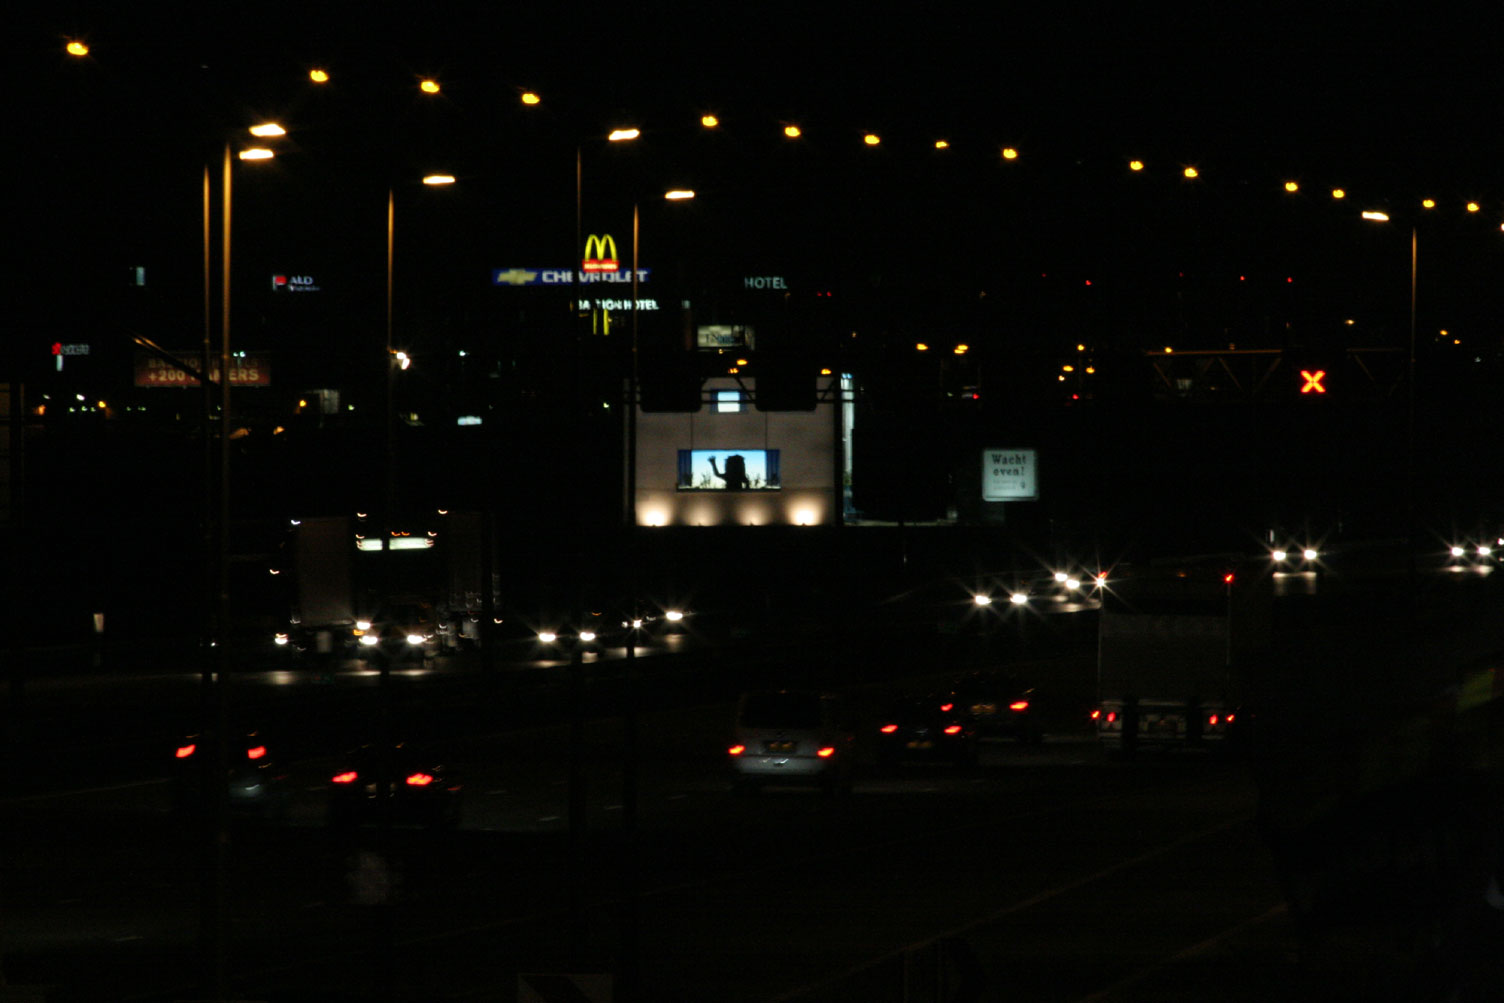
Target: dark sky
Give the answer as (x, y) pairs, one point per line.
(1391, 100)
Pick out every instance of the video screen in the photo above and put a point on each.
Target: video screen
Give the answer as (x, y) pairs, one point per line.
(728, 470)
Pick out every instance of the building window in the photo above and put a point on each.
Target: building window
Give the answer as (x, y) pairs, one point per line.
(730, 402)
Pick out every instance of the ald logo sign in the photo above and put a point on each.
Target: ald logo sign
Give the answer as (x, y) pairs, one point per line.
(294, 284)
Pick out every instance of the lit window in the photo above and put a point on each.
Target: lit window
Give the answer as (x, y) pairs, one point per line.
(729, 402)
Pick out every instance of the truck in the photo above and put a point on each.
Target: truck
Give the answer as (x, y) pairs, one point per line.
(1173, 644)
(415, 588)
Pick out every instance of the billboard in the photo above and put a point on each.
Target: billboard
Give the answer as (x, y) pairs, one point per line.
(245, 371)
(1010, 475)
(724, 336)
(728, 470)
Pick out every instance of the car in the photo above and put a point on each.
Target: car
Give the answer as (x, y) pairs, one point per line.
(792, 736)
(421, 788)
(256, 783)
(999, 704)
(405, 629)
(927, 728)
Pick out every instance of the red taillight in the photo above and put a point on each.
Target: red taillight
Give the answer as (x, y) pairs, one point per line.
(737, 750)
(1213, 720)
(1019, 705)
(184, 751)
(946, 708)
(826, 752)
(419, 780)
(256, 752)
(348, 777)
(1096, 715)
(953, 729)
(1231, 718)
(1112, 716)
(888, 729)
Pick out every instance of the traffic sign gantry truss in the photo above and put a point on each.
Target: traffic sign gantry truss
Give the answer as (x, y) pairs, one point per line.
(1273, 374)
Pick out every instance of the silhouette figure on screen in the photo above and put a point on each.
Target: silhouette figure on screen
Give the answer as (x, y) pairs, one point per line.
(736, 472)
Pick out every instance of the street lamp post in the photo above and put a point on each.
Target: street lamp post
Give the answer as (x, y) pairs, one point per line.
(1411, 514)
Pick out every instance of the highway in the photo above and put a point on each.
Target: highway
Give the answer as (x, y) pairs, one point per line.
(1045, 873)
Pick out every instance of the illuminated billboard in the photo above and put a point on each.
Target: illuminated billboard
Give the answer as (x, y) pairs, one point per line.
(728, 470)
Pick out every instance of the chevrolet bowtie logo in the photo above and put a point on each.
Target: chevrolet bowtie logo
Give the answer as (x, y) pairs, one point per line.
(516, 277)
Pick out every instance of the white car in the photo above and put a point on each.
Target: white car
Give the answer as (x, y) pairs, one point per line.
(797, 737)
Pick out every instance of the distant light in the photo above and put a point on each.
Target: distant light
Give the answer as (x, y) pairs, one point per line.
(77, 48)
(709, 121)
(428, 86)
(942, 144)
(439, 179)
(1168, 349)
(318, 76)
(1191, 172)
(1135, 165)
(1291, 186)
(961, 349)
(1338, 193)
(528, 97)
(921, 347)
(1279, 555)
(1458, 551)
(1010, 153)
(623, 135)
(1061, 576)
(257, 153)
(792, 131)
(587, 635)
(1309, 554)
(1473, 207)
(1428, 203)
(673, 615)
(1378, 217)
(547, 636)
(1019, 598)
(679, 194)
(266, 129)
(872, 139)
(981, 600)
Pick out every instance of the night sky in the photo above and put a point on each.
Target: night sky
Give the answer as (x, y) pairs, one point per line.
(1024, 257)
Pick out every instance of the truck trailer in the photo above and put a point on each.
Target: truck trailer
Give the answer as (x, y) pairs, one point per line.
(1172, 644)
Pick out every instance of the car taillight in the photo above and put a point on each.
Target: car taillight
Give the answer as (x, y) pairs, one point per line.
(825, 752)
(348, 777)
(1112, 716)
(1019, 705)
(888, 729)
(1096, 715)
(256, 752)
(737, 750)
(184, 751)
(953, 729)
(419, 780)
(1212, 720)
(946, 708)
